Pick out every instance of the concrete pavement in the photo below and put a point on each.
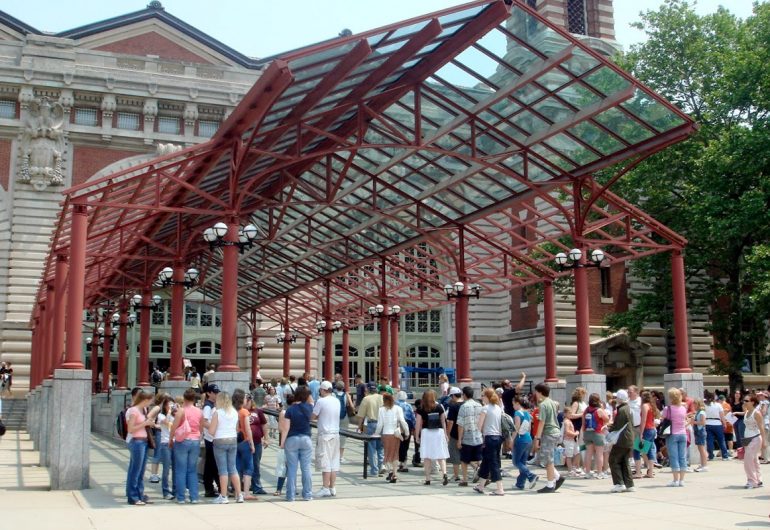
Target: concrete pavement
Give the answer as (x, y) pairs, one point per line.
(713, 500)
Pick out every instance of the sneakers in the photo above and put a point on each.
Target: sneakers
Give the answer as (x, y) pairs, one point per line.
(618, 488)
(701, 469)
(324, 492)
(343, 461)
(629, 490)
(154, 479)
(546, 490)
(221, 500)
(673, 484)
(601, 476)
(750, 486)
(239, 500)
(168, 497)
(531, 482)
(333, 491)
(559, 482)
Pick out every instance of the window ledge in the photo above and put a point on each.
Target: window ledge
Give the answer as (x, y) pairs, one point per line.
(607, 300)
(523, 305)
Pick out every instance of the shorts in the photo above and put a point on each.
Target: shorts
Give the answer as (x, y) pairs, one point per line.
(327, 453)
(547, 447)
(728, 437)
(593, 438)
(470, 453)
(344, 425)
(700, 436)
(225, 451)
(454, 452)
(571, 448)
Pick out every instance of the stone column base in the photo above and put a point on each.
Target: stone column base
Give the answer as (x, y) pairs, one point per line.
(70, 435)
(45, 411)
(174, 388)
(591, 382)
(692, 383)
(229, 381)
(558, 393)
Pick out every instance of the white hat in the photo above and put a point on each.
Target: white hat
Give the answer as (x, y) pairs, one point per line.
(622, 396)
(454, 391)
(326, 385)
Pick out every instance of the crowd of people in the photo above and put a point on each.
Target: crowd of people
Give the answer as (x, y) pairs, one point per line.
(463, 437)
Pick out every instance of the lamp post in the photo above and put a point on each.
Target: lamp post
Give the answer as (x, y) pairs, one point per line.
(576, 261)
(215, 236)
(327, 327)
(462, 292)
(394, 318)
(123, 320)
(180, 280)
(380, 311)
(254, 347)
(145, 303)
(103, 337)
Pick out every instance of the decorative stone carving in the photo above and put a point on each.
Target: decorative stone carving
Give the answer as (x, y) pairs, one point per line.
(26, 96)
(109, 104)
(42, 144)
(190, 114)
(150, 109)
(67, 100)
(167, 149)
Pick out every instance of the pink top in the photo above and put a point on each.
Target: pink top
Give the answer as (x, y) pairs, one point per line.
(678, 416)
(194, 416)
(139, 417)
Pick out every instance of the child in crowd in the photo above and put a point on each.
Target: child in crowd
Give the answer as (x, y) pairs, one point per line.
(570, 443)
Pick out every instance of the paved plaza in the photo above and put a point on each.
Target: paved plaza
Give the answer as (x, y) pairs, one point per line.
(710, 500)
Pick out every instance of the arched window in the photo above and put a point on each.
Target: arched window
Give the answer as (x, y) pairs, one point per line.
(203, 347)
(423, 356)
(577, 17)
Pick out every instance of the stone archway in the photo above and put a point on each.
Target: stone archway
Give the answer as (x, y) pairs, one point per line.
(621, 359)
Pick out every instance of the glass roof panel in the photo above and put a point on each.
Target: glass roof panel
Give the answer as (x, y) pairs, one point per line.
(571, 149)
(607, 81)
(535, 34)
(597, 138)
(652, 112)
(530, 123)
(578, 95)
(553, 109)
(624, 126)
(580, 62)
(552, 157)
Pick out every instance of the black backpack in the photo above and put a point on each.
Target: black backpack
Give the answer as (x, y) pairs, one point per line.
(121, 425)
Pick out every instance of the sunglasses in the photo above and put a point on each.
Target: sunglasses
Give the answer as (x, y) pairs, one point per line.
(747, 401)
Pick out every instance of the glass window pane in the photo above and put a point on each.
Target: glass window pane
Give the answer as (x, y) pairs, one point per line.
(7, 108)
(168, 125)
(86, 117)
(128, 121)
(207, 128)
(206, 315)
(191, 315)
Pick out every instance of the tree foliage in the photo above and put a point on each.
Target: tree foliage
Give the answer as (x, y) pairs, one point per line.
(714, 188)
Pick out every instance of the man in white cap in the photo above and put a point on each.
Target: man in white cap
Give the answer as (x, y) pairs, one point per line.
(622, 479)
(456, 401)
(327, 413)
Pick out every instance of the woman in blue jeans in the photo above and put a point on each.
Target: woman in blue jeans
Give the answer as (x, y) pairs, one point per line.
(490, 425)
(224, 428)
(522, 422)
(137, 424)
(676, 443)
(185, 437)
(295, 440)
(715, 426)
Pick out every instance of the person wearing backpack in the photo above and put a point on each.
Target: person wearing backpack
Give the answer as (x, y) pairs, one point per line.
(346, 404)
(592, 427)
(403, 448)
(185, 436)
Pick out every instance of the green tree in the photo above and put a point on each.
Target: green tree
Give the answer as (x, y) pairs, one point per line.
(713, 188)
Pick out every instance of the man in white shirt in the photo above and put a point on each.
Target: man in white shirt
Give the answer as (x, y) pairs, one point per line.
(635, 406)
(327, 413)
(210, 472)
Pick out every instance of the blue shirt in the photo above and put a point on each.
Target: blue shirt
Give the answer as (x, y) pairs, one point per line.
(299, 416)
(314, 386)
(525, 427)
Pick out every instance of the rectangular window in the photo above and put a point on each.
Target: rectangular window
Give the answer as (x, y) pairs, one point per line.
(206, 316)
(158, 316)
(435, 321)
(168, 125)
(207, 128)
(7, 108)
(422, 322)
(410, 323)
(86, 117)
(576, 17)
(606, 280)
(168, 312)
(158, 346)
(191, 315)
(128, 121)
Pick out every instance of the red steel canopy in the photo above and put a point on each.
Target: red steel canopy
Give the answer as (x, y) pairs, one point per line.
(462, 143)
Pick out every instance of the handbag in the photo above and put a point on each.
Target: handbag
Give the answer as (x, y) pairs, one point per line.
(2, 428)
(350, 409)
(182, 431)
(664, 428)
(150, 437)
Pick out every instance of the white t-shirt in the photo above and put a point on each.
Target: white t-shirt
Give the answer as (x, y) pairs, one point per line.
(208, 411)
(227, 423)
(713, 413)
(636, 410)
(492, 421)
(164, 428)
(328, 411)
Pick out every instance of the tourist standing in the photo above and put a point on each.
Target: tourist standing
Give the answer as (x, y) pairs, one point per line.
(593, 424)
(699, 433)
(547, 436)
(370, 407)
(715, 426)
(223, 427)
(244, 462)
(210, 472)
(623, 422)
(647, 432)
(137, 431)
(469, 437)
(403, 446)
(676, 443)
(164, 421)
(185, 435)
(430, 433)
(390, 424)
(346, 404)
(490, 423)
(522, 422)
(296, 442)
(327, 413)
(753, 440)
(453, 407)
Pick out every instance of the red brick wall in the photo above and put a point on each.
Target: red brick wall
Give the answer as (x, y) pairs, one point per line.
(88, 160)
(152, 43)
(523, 317)
(5, 163)
(619, 290)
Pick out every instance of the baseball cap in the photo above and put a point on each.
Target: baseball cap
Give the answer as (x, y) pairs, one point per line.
(326, 385)
(213, 388)
(372, 387)
(622, 395)
(454, 391)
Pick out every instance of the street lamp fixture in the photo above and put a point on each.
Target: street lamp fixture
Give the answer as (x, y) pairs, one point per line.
(260, 345)
(165, 277)
(377, 310)
(130, 321)
(461, 290)
(282, 337)
(321, 326)
(215, 236)
(393, 312)
(100, 334)
(572, 260)
(136, 302)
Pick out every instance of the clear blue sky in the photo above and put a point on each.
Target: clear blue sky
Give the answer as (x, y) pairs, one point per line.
(260, 28)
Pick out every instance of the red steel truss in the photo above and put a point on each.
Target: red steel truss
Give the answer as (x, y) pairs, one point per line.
(463, 143)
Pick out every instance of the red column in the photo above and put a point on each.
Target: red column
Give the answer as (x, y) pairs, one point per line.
(49, 314)
(106, 351)
(308, 360)
(229, 341)
(73, 358)
(60, 289)
(176, 368)
(35, 348)
(254, 355)
(384, 348)
(462, 341)
(286, 354)
(143, 370)
(680, 314)
(123, 347)
(394, 382)
(581, 321)
(94, 359)
(328, 352)
(346, 357)
(549, 316)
